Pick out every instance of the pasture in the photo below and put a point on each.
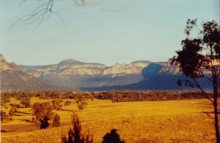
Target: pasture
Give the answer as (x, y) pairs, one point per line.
(173, 121)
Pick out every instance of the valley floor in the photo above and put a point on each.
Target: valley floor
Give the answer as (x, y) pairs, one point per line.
(177, 121)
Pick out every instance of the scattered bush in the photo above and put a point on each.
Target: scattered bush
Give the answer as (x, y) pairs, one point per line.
(115, 96)
(56, 121)
(75, 134)
(67, 103)
(57, 95)
(12, 112)
(14, 105)
(112, 137)
(3, 115)
(42, 95)
(44, 122)
(56, 104)
(13, 109)
(26, 102)
(20, 95)
(127, 96)
(4, 100)
(43, 113)
(81, 102)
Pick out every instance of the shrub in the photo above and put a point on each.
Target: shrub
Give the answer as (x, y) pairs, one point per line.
(112, 137)
(14, 105)
(75, 134)
(57, 104)
(20, 95)
(3, 115)
(67, 103)
(56, 121)
(4, 100)
(43, 113)
(26, 102)
(12, 112)
(81, 102)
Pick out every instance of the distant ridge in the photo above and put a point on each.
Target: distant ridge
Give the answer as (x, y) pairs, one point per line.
(158, 82)
(70, 61)
(73, 74)
(13, 78)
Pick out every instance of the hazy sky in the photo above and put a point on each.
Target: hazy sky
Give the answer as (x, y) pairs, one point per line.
(104, 31)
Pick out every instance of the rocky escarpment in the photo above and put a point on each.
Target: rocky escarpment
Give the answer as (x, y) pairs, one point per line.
(4, 65)
(121, 69)
(75, 74)
(13, 78)
(74, 67)
(66, 67)
(170, 69)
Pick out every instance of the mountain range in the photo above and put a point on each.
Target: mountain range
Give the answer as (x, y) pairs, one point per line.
(13, 78)
(73, 74)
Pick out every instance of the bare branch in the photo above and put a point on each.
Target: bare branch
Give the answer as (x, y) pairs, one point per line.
(203, 92)
(21, 3)
(43, 12)
(39, 13)
(218, 71)
(192, 84)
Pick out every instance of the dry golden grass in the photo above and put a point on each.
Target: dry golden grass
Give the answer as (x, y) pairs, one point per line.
(137, 122)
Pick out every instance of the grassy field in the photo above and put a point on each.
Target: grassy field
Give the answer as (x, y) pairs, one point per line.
(176, 121)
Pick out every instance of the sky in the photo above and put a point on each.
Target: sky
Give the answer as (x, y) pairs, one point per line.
(101, 31)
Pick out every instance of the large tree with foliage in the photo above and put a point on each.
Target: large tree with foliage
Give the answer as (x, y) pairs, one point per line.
(200, 58)
(43, 113)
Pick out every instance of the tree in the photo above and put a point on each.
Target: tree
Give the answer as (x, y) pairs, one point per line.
(26, 102)
(4, 99)
(14, 107)
(56, 121)
(200, 58)
(75, 134)
(3, 115)
(11, 112)
(67, 103)
(112, 137)
(81, 102)
(56, 104)
(43, 113)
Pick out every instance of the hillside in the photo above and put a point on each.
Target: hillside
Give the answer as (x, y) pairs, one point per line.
(76, 74)
(157, 77)
(137, 122)
(73, 74)
(13, 78)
